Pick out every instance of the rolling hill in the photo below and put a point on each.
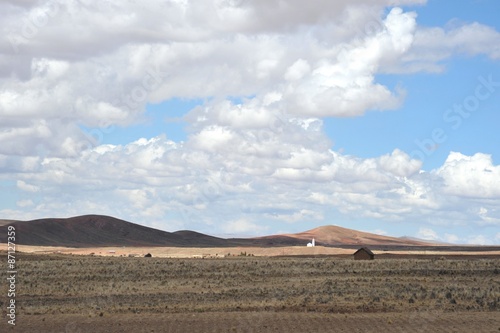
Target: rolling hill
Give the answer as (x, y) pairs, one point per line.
(335, 235)
(98, 230)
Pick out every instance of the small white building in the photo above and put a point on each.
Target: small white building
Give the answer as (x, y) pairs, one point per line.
(312, 244)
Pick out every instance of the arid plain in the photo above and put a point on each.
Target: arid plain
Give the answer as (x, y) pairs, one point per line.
(244, 286)
(84, 293)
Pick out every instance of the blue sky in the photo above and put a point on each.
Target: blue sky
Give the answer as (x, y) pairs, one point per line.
(429, 96)
(214, 117)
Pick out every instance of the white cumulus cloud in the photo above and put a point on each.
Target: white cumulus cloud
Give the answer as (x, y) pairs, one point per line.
(427, 234)
(265, 73)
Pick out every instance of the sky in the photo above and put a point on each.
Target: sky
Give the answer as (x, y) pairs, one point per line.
(246, 118)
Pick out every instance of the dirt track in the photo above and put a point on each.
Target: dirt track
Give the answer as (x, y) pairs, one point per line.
(253, 322)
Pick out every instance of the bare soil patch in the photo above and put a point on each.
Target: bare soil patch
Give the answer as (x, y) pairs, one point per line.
(263, 322)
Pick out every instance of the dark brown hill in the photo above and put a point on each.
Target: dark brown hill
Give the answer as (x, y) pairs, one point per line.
(197, 239)
(98, 230)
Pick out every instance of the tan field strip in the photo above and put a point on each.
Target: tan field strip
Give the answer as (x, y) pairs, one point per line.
(184, 252)
(218, 252)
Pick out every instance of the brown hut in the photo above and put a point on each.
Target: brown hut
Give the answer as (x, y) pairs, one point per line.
(364, 253)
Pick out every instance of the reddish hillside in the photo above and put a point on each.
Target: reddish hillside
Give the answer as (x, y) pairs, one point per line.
(333, 236)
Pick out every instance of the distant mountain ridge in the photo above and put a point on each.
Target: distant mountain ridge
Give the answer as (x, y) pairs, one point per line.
(99, 230)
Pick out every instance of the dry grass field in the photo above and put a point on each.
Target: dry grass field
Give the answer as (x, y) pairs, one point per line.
(69, 293)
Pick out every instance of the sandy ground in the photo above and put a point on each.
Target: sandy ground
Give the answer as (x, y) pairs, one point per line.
(178, 252)
(253, 322)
